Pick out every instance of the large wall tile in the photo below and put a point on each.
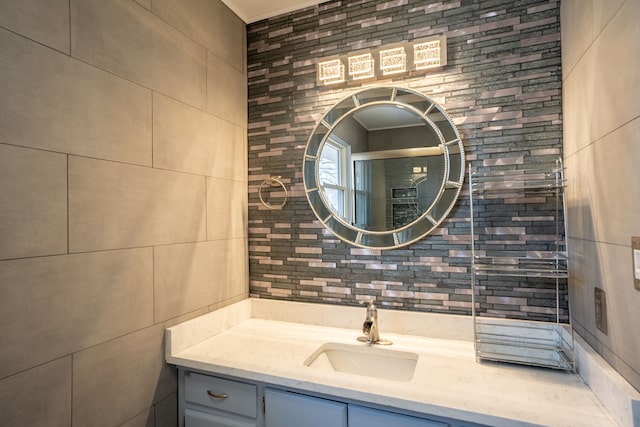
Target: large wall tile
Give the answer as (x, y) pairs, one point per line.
(608, 267)
(33, 205)
(618, 62)
(80, 300)
(166, 412)
(193, 276)
(209, 22)
(603, 11)
(127, 40)
(580, 194)
(184, 137)
(231, 261)
(239, 169)
(54, 102)
(144, 3)
(46, 22)
(226, 209)
(190, 140)
(226, 91)
(617, 202)
(113, 205)
(37, 397)
(146, 418)
(184, 275)
(586, 270)
(577, 31)
(115, 381)
(622, 304)
(579, 105)
(230, 160)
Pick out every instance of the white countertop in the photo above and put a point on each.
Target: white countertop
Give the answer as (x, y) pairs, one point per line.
(447, 381)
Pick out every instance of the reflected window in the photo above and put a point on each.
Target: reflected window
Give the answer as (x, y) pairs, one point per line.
(334, 176)
(362, 172)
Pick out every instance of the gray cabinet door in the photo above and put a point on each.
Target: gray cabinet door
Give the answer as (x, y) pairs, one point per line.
(360, 416)
(287, 409)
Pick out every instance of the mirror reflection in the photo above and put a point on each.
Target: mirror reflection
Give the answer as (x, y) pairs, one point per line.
(383, 167)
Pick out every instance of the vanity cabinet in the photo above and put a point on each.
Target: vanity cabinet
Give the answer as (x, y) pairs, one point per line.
(209, 400)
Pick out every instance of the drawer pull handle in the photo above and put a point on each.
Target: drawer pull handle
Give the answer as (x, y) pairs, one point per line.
(217, 396)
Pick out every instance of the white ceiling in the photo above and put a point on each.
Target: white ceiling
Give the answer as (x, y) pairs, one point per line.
(254, 10)
(377, 117)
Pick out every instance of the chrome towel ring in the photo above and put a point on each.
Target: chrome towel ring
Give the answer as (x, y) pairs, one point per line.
(274, 181)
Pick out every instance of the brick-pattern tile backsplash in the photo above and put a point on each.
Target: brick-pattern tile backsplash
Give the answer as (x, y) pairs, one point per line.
(501, 86)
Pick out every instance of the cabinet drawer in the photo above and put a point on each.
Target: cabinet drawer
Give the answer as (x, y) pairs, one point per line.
(225, 395)
(200, 419)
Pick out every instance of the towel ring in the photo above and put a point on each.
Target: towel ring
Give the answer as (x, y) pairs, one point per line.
(273, 181)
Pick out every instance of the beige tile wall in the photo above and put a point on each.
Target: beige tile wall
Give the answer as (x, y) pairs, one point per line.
(38, 396)
(110, 205)
(40, 195)
(54, 306)
(188, 276)
(182, 141)
(54, 102)
(224, 82)
(123, 200)
(202, 20)
(46, 22)
(601, 59)
(132, 43)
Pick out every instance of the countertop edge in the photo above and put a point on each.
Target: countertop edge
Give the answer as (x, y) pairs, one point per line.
(358, 396)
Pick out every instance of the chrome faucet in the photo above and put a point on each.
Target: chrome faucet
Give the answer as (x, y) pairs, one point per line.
(370, 326)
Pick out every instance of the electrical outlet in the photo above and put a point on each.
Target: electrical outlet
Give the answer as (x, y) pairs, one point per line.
(601, 309)
(635, 259)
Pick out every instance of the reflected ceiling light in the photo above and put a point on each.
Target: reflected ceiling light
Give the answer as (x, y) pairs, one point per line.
(427, 54)
(330, 72)
(361, 66)
(393, 60)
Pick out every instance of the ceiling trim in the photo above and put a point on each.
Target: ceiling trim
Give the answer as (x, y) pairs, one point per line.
(251, 11)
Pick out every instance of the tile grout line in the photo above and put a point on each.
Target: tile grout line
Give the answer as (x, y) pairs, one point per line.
(68, 210)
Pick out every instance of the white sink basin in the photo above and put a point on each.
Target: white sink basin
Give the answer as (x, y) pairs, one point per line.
(364, 360)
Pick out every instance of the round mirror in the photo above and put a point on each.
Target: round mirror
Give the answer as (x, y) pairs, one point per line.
(383, 167)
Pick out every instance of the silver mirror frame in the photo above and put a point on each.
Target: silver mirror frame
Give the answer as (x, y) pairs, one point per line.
(427, 222)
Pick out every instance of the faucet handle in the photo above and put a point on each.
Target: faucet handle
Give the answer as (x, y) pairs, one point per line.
(371, 310)
(366, 327)
(369, 303)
